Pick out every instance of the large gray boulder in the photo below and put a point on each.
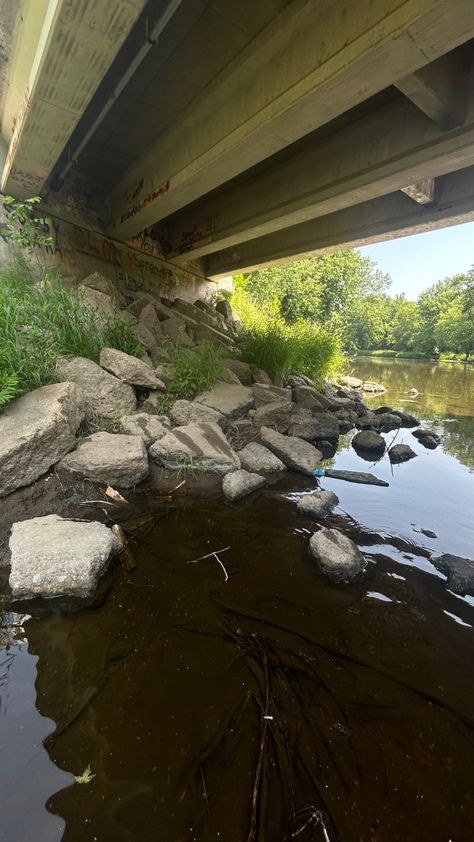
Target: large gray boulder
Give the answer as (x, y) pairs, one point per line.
(106, 395)
(237, 484)
(307, 396)
(368, 440)
(36, 431)
(318, 504)
(336, 555)
(52, 556)
(115, 459)
(129, 369)
(295, 453)
(230, 399)
(148, 427)
(259, 459)
(459, 572)
(276, 414)
(241, 369)
(149, 319)
(186, 412)
(199, 445)
(311, 426)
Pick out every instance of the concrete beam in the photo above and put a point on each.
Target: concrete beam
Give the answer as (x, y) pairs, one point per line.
(383, 218)
(393, 146)
(62, 64)
(440, 89)
(421, 192)
(310, 64)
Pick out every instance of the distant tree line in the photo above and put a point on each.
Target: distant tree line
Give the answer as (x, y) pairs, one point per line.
(348, 296)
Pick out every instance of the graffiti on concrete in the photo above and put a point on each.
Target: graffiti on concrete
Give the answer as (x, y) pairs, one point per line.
(150, 197)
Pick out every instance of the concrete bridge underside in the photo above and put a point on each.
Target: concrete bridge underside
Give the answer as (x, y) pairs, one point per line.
(214, 137)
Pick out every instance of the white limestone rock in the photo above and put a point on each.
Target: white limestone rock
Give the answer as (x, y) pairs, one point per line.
(230, 399)
(36, 431)
(148, 427)
(237, 484)
(106, 395)
(114, 459)
(294, 452)
(203, 445)
(318, 504)
(52, 556)
(129, 369)
(259, 459)
(336, 555)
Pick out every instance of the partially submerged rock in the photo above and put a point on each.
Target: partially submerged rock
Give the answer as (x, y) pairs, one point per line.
(52, 556)
(106, 457)
(129, 369)
(295, 453)
(106, 395)
(237, 484)
(229, 399)
(369, 441)
(197, 445)
(359, 477)
(400, 453)
(318, 504)
(148, 427)
(259, 459)
(459, 571)
(428, 438)
(336, 555)
(36, 431)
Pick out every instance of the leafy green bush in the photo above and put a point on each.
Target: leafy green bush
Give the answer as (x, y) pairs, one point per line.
(39, 320)
(193, 370)
(391, 355)
(412, 355)
(269, 342)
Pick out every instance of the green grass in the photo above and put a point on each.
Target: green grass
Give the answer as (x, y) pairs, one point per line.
(268, 342)
(39, 320)
(193, 370)
(392, 355)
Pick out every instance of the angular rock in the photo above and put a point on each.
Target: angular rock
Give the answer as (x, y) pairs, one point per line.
(265, 393)
(294, 453)
(129, 369)
(327, 426)
(400, 453)
(164, 372)
(106, 457)
(241, 369)
(259, 459)
(96, 300)
(276, 414)
(373, 388)
(201, 444)
(146, 338)
(105, 394)
(153, 403)
(186, 412)
(307, 396)
(261, 376)
(318, 504)
(36, 431)
(149, 319)
(52, 556)
(228, 376)
(237, 484)
(336, 555)
(148, 427)
(368, 440)
(175, 329)
(225, 309)
(389, 421)
(229, 399)
(352, 382)
(460, 572)
(406, 419)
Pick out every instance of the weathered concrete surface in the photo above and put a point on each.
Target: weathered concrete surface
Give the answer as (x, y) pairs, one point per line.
(295, 453)
(148, 427)
(228, 398)
(110, 458)
(237, 484)
(52, 556)
(105, 394)
(259, 459)
(196, 446)
(36, 431)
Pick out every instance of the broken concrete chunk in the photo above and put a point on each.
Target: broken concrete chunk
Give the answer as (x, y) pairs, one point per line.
(259, 459)
(106, 457)
(336, 555)
(148, 427)
(237, 484)
(197, 445)
(129, 369)
(230, 399)
(106, 395)
(295, 453)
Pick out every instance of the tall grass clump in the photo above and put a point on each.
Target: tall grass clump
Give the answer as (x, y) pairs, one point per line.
(269, 342)
(39, 320)
(193, 370)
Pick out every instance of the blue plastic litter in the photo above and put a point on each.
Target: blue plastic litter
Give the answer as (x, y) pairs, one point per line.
(319, 472)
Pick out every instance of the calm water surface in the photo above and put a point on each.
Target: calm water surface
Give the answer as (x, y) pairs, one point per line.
(272, 706)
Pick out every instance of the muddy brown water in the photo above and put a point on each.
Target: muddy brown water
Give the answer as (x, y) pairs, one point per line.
(272, 706)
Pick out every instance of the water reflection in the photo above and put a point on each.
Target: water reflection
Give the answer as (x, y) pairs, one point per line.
(446, 396)
(27, 775)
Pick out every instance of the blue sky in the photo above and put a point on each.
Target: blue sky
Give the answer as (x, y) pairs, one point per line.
(416, 262)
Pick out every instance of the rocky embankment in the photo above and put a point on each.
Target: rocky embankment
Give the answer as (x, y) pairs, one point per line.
(103, 422)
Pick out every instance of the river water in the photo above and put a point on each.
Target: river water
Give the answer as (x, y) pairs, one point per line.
(273, 706)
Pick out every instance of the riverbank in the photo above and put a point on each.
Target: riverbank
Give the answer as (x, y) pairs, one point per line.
(415, 355)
